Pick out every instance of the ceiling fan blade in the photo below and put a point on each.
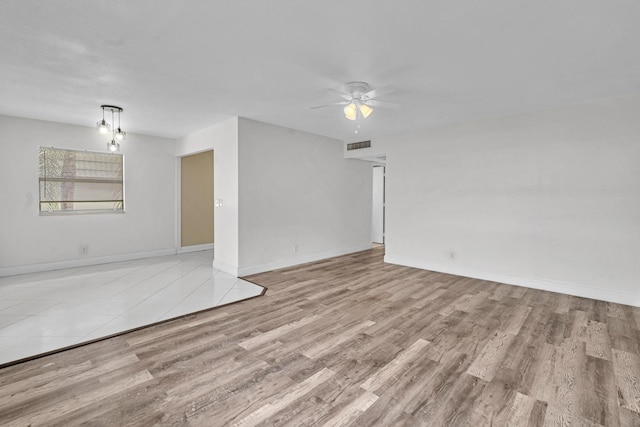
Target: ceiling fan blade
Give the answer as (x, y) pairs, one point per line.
(329, 105)
(382, 104)
(378, 92)
(342, 94)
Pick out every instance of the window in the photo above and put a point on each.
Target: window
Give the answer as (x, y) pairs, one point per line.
(74, 181)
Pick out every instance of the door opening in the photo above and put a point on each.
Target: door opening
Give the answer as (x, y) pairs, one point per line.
(196, 201)
(378, 205)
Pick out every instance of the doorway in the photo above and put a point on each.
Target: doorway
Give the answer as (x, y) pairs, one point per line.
(196, 201)
(378, 205)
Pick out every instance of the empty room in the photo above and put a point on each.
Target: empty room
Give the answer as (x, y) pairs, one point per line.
(363, 213)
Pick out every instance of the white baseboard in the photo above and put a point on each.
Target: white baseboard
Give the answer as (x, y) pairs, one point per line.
(195, 248)
(301, 259)
(59, 265)
(619, 297)
(229, 269)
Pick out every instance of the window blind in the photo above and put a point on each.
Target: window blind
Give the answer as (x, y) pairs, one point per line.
(80, 181)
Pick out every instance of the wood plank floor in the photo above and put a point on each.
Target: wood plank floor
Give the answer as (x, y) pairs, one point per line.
(351, 341)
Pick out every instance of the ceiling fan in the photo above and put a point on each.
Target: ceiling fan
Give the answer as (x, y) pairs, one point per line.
(359, 98)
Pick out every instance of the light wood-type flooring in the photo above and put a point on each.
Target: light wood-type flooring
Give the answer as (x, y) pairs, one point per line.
(351, 341)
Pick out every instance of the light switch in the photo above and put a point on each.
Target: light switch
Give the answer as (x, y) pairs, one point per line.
(218, 203)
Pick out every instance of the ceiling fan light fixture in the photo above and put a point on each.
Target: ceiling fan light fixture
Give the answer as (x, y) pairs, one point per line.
(350, 111)
(365, 110)
(360, 100)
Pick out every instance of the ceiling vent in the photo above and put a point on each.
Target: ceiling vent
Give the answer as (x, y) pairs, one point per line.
(358, 145)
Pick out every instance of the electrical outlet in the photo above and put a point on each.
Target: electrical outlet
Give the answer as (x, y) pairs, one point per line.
(83, 249)
(452, 254)
(295, 248)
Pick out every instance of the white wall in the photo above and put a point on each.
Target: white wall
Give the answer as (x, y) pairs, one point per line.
(223, 140)
(549, 199)
(29, 242)
(297, 190)
(300, 200)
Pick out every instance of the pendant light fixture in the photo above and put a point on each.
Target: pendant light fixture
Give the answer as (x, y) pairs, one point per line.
(104, 127)
(113, 146)
(120, 135)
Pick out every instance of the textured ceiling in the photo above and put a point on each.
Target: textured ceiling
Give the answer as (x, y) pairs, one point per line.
(179, 66)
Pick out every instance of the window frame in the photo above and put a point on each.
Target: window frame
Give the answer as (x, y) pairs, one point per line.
(80, 211)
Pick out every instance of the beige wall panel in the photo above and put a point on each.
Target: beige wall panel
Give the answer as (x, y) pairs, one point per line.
(197, 199)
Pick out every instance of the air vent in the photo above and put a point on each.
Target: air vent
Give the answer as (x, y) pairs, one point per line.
(358, 145)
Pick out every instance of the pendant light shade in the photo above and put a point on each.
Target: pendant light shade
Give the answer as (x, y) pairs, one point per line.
(103, 127)
(121, 135)
(113, 146)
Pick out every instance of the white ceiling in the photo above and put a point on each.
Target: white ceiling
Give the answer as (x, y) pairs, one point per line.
(179, 66)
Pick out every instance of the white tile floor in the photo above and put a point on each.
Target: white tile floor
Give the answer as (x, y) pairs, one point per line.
(41, 312)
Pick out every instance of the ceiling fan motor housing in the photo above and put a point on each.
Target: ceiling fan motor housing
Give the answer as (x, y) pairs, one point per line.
(356, 89)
